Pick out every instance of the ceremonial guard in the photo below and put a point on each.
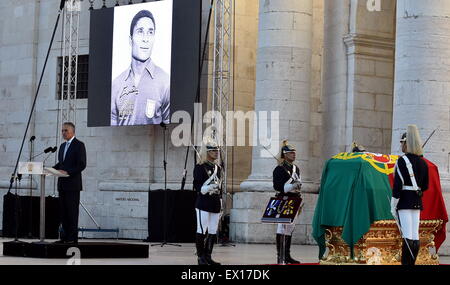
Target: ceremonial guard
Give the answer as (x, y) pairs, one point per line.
(207, 182)
(411, 179)
(286, 182)
(358, 148)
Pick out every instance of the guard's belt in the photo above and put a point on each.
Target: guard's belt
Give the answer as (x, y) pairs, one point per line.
(414, 186)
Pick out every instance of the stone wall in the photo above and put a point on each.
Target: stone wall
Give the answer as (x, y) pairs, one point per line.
(370, 46)
(19, 37)
(331, 78)
(288, 80)
(422, 73)
(245, 39)
(123, 163)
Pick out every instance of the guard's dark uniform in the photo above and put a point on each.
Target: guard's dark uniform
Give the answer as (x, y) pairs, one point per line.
(410, 202)
(281, 174)
(208, 203)
(208, 206)
(410, 199)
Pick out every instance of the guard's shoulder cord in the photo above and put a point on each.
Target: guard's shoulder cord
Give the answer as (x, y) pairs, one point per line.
(410, 170)
(294, 176)
(212, 177)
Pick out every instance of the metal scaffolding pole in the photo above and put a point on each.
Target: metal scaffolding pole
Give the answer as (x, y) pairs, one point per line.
(67, 103)
(222, 78)
(70, 49)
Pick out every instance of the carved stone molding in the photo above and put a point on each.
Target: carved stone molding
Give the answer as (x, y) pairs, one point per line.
(370, 46)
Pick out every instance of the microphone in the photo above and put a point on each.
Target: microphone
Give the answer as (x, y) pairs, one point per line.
(61, 5)
(52, 150)
(47, 150)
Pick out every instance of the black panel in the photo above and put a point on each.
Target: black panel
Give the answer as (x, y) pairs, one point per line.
(28, 216)
(100, 66)
(178, 216)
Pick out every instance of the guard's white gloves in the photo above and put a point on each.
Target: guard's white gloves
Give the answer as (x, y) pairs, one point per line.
(215, 189)
(293, 188)
(209, 189)
(297, 185)
(394, 202)
(205, 189)
(288, 188)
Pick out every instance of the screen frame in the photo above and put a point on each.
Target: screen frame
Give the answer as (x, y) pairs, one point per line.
(185, 59)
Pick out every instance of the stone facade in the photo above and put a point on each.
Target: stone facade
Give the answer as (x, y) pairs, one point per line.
(421, 93)
(337, 71)
(123, 163)
(354, 100)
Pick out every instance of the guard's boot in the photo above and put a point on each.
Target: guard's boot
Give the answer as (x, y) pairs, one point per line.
(200, 244)
(210, 240)
(415, 249)
(407, 250)
(279, 249)
(288, 258)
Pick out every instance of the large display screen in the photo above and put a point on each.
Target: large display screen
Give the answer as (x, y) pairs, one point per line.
(143, 62)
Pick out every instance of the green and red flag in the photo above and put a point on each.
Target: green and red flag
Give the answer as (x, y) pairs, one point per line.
(355, 192)
(434, 204)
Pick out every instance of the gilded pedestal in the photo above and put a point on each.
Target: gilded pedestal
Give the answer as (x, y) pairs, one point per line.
(381, 245)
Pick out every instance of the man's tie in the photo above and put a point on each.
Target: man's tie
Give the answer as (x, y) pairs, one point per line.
(65, 150)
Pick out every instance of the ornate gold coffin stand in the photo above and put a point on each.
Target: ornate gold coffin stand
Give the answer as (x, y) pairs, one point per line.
(381, 245)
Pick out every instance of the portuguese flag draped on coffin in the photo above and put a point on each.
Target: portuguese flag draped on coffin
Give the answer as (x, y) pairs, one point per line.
(355, 192)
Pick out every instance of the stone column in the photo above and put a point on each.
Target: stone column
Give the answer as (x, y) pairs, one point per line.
(422, 76)
(358, 65)
(283, 81)
(283, 84)
(422, 80)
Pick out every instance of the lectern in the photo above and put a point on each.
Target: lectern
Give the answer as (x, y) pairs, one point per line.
(37, 168)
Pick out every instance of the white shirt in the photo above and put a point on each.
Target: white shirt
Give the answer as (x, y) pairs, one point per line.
(67, 147)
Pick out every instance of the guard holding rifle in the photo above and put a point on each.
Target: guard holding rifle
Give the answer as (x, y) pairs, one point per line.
(207, 182)
(286, 182)
(411, 179)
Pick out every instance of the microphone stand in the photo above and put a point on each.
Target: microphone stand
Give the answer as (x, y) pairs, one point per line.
(13, 176)
(36, 96)
(197, 97)
(164, 242)
(225, 219)
(52, 152)
(30, 184)
(16, 210)
(18, 207)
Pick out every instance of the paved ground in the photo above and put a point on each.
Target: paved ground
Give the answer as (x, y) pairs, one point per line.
(240, 254)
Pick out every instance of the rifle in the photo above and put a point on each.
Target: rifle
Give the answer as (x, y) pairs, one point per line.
(431, 135)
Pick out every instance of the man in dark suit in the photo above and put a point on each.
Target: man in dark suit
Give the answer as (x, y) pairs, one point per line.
(71, 161)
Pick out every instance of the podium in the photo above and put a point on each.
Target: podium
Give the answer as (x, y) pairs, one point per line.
(37, 168)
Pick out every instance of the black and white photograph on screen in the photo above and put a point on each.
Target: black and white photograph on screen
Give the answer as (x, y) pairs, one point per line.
(141, 64)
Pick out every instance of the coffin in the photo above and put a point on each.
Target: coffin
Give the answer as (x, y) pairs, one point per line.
(352, 221)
